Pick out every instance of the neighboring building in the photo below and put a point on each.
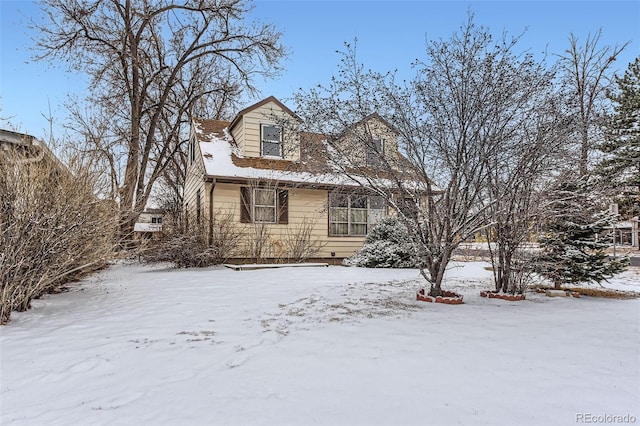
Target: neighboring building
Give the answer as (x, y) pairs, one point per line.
(24, 148)
(627, 232)
(149, 224)
(272, 181)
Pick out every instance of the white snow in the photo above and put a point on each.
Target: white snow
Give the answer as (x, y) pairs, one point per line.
(147, 345)
(147, 227)
(216, 154)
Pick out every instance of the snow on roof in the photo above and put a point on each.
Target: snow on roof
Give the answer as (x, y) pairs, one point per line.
(147, 227)
(218, 157)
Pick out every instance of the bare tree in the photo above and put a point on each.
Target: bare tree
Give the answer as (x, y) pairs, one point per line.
(169, 189)
(585, 67)
(517, 175)
(449, 119)
(151, 63)
(529, 125)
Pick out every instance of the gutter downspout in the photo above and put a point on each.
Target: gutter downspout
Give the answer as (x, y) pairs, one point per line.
(212, 181)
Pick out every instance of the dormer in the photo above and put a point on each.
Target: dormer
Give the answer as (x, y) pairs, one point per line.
(267, 129)
(370, 142)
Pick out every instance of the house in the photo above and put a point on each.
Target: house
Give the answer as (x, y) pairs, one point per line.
(149, 224)
(268, 187)
(627, 232)
(25, 148)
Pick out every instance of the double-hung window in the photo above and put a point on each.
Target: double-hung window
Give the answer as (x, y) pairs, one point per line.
(354, 215)
(270, 140)
(264, 205)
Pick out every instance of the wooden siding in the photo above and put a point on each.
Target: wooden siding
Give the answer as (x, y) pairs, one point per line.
(247, 132)
(305, 206)
(194, 181)
(352, 141)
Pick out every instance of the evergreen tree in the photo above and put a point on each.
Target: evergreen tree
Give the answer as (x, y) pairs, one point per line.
(620, 169)
(571, 252)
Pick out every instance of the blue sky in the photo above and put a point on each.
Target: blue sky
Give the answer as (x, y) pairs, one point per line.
(391, 34)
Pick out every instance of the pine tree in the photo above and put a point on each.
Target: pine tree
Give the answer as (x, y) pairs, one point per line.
(570, 250)
(620, 169)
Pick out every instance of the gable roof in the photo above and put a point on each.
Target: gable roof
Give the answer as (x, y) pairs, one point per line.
(31, 148)
(372, 116)
(211, 128)
(223, 163)
(258, 105)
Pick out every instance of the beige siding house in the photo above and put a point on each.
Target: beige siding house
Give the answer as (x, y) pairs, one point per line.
(269, 190)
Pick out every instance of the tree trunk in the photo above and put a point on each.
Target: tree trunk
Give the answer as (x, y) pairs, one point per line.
(436, 272)
(127, 224)
(584, 150)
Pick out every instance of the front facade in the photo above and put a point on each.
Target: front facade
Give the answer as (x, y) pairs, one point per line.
(267, 189)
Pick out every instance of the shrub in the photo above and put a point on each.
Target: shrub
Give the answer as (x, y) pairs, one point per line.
(387, 246)
(184, 250)
(199, 246)
(53, 229)
(300, 243)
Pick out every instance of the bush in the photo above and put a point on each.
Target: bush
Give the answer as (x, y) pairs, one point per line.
(193, 248)
(387, 246)
(183, 250)
(53, 229)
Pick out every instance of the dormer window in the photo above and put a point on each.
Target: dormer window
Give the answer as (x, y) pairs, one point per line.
(375, 151)
(271, 140)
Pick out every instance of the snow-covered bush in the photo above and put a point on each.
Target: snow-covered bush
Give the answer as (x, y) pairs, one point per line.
(387, 246)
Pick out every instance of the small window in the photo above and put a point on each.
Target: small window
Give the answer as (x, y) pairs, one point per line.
(377, 210)
(375, 151)
(271, 140)
(338, 214)
(192, 150)
(156, 220)
(198, 206)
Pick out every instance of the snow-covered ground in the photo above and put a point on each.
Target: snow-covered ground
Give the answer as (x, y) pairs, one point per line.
(143, 345)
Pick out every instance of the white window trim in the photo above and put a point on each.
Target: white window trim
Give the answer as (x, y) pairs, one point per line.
(255, 204)
(262, 140)
(369, 223)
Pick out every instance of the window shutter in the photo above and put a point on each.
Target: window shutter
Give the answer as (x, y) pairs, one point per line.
(283, 206)
(245, 204)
